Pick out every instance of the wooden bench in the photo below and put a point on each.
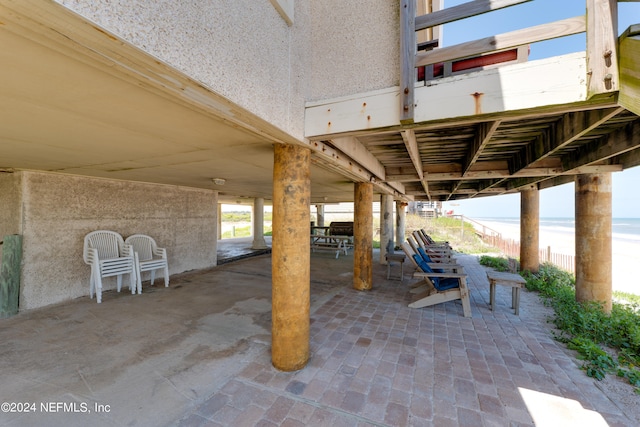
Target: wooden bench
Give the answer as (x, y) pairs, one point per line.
(515, 281)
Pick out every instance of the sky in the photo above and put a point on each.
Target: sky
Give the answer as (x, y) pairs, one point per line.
(558, 201)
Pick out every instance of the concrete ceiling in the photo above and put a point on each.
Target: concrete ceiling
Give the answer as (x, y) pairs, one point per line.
(67, 107)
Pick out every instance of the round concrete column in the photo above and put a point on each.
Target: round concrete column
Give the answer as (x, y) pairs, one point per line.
(363, 236)
(290, 257)
(401, 221)
(386, 227)
(219, 221)
(320, 212)
(593, 238)
(530, 230)
(258, 224)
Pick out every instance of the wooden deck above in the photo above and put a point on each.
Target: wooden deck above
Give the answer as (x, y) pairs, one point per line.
(496, 130)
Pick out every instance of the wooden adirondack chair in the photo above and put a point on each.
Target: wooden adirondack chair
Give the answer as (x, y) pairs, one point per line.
(441, 282)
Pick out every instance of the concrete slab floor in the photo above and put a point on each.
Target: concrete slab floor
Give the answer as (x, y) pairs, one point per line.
(198, 353)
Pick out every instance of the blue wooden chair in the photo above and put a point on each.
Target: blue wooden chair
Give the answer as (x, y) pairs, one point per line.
(441, 282)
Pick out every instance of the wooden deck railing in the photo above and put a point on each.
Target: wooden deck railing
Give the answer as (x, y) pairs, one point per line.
(600, 24)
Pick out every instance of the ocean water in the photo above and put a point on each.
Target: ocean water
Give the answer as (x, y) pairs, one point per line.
(627, 229)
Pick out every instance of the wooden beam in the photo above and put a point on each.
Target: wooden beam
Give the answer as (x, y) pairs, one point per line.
(530, 152)
(595, 169)
(500, 90)
(616, 143)
(509, 40)
(629, 65)
(522, 183)
(555, 181)
(410, 142)
(353, 148)
(629, 159)
(359, 112)
(462, 11)
(404, 177)
(575, 125)
(407, 59)
(602, 47)
(570, 128)
(447, 102)
(358, 175)
(454, 189)
(332, 159)
(482, 137)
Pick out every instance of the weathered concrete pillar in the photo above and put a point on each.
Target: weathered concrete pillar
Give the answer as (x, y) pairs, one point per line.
(530, 230)
(386, 227)
(593, 239)
(10, 275)
(290, 257)
(401, 221)
(258, 224)
(320, 214)
(219, 221)
(363, 236)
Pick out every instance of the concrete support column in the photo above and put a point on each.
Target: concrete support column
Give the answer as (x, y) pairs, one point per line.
(258, 224)
(401, 221)
(386, 227)
(530, 230)
(363, 236)
(593, 239)
(290, 257)
(219, 233)
(320, 214)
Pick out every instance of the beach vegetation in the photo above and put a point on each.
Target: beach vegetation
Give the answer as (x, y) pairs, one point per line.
(239, 231)
(607, 343)
(497, 263)
(242, 216)
(626, 297)
(461, 235)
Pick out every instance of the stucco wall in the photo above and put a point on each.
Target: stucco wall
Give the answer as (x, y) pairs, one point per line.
(355, 48)
(10, 212)
(59, 210)
(10, 205)
(244, 50)
(241, 49)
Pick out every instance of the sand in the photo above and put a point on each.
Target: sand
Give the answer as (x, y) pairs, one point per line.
(625, 254)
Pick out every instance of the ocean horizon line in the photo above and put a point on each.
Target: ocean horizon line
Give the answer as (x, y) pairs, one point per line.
(543, 217)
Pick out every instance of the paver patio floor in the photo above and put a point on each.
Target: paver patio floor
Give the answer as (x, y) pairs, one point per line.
(198, 354)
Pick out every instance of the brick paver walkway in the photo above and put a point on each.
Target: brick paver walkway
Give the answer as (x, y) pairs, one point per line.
(377, 362)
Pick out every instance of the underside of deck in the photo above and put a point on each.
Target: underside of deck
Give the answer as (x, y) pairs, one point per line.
(487, 132)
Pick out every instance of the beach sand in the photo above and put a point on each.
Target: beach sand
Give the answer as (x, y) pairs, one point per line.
(625, 254)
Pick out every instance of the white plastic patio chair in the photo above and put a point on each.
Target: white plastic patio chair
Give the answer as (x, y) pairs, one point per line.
(149, 257)
(108, 255)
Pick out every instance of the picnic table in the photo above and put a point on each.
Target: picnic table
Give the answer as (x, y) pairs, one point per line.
(330, 243)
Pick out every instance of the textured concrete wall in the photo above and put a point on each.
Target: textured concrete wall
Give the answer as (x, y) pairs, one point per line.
(355, 46)
(59, 210)
(244, 50)
(241, 49)
(10, 205)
